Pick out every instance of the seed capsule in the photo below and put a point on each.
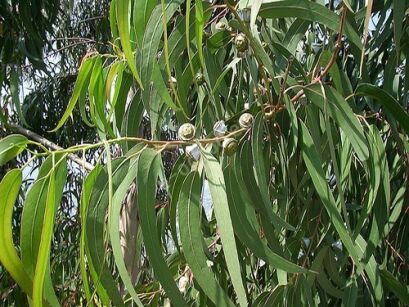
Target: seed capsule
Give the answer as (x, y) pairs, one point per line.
(246, 120)
(241, 42)
(230, 146)
(186, 132)
(219, 128)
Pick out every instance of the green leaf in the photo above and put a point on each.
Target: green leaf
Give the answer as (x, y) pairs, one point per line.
(399, 7)
(85, 197)
(9, 190)
(387, 101)
(311, 11)
(401, 291)
(81, 83)
(122, 17)
(179, 171)
(149, 169)
(142, 11)
(96, 214)
(192, 240)
(14, 90)
(217, 188)
(229, 67)
(350, 294)
(44, 248)
(112, 20)
(114, 232)
(371, 268)
(255, 7)
(339, 110)
(36, 207)
(312, 160)
(199, 26)
(11, 146)
(246, 231)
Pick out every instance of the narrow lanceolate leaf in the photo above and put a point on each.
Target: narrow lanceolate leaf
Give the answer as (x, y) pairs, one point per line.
(33, 219)
(261, 175)
(217, 187)
(180, 169)
(339, 110)
(9, 189)
(192, 240)
(372, 271)
(400, 290)
(44, 249)
(122, 17)
(350, 294)
(80, 84)
(398, 17)
(314, 166)
(263, 206)
(11, 146)
(255, 7)
(308, 10)
(199, 25)
(257, 141)
(246, 231)
(96, 253)
(85, 197)
(387, 101)
(149, 169)
(114, 232)
(142, 11)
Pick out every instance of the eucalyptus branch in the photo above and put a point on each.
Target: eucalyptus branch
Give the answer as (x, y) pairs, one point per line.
(331, 62)
(47, 143)
(249, 35)
(171, 144)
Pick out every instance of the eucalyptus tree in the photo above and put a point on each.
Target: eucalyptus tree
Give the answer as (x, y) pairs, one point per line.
(290, 118)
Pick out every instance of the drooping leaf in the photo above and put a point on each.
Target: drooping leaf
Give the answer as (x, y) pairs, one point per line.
(33, 222)
(246, 232)
(191, 238)
(114, 231)
(81, 82)
(85, 197)
(313, 162)
(147, 176)
(122, 17)
(307, 10)
(44, 247)
(339, 110)
(401, 291)
(387, 101)
(11, 146)
(217, 188)
(9, 190)
(103, 280)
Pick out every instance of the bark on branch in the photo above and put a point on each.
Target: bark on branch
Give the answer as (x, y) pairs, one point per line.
(47, 143)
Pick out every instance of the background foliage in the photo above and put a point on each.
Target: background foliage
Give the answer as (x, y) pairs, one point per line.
(310, 207)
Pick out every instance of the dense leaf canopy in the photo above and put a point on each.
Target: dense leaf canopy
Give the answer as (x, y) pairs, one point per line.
(204, 153)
